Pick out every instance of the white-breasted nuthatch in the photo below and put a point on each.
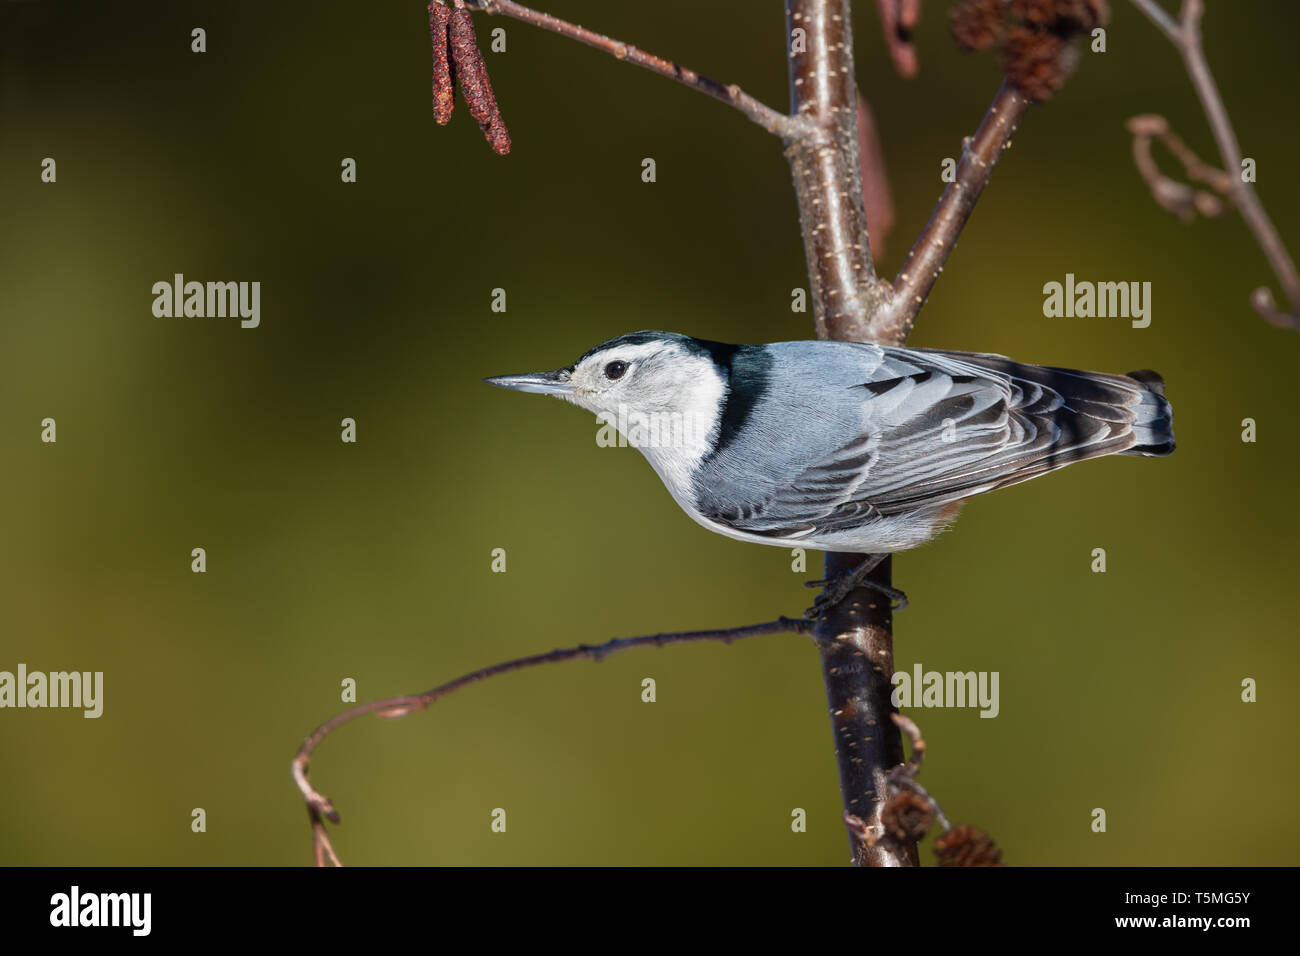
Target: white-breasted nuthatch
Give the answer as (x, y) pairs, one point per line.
(844, 446)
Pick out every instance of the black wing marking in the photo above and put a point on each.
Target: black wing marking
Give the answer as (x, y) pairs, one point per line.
(939, 427)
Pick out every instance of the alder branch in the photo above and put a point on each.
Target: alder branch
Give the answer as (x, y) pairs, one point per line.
(771, 120)
(1185, 35)
(980, 153)
(320, 808)
(824, 164)
(855, 637)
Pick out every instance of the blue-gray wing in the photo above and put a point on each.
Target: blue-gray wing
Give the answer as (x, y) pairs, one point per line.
(925, 428)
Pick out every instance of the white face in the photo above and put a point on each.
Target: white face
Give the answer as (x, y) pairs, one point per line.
(646, 378)
(661, 396)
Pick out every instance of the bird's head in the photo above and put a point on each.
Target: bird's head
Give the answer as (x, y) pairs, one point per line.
(640, 372)
(657, 388)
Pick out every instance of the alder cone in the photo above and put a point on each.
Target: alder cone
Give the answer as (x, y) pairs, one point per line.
(977, 25)
(907, 816)
(444, 92)
(1037, 63)
(472, 75)
(966, 846)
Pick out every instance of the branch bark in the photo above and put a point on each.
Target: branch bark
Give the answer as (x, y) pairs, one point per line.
(855, 638)
(823, 156)
(856, 643)
(851, 303)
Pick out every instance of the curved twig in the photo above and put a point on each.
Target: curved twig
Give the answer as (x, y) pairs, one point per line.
(903, 776)
(1185, 35)
(320, 808)
(1176, 198)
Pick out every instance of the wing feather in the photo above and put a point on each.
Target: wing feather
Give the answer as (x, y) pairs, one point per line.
(936, 427)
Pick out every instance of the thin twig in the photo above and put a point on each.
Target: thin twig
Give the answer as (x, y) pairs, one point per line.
(908, 726)
(321, 845)
(904, 775)
(320, 807)
(1185, 35)
(1171, 195)
(926, 259)
(1161, 18)
(731, 94)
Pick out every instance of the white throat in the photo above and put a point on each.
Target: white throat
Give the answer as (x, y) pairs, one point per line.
(676, 424)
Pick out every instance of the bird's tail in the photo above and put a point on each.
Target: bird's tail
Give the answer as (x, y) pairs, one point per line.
(1153, 428)
(1089, 414)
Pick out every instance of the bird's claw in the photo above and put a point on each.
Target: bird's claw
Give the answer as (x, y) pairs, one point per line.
(842, 585)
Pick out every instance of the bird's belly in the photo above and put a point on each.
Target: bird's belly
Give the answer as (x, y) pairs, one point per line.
(879, 535)
(876, 535)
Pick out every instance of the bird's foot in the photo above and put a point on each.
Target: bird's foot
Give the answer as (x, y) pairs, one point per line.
(846, 582)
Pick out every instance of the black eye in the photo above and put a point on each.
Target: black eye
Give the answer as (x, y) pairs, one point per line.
(615, 370)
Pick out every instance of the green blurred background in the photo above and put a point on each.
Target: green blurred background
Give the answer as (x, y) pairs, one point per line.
(372, 561)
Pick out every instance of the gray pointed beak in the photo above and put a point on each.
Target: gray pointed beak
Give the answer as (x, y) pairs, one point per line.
(544, 383)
